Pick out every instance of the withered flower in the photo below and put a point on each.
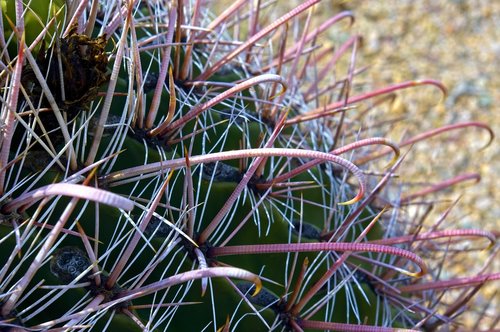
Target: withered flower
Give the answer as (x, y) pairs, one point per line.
(75, 68)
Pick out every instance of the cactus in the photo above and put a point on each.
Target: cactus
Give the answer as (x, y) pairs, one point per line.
(164, 168)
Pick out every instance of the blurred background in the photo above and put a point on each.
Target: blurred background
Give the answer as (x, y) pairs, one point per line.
(458, 43)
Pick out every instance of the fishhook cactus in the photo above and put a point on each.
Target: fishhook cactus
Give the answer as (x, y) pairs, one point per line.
(163, 167)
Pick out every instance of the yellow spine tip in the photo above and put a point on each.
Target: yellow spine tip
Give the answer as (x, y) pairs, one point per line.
(258, 287)
(352, 201)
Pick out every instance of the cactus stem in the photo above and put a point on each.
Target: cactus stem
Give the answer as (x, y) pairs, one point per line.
(445, 284)
(431, 133)
(336, 107)
(113, 277)
(197, 110)
(230, 272)
(41, 255)
(322, 246)
(111, 88)
(252, 40)
(153, 109)
(441, 186)
(298, 284)
(12, 106)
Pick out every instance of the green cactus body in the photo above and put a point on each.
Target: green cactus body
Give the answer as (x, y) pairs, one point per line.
(35, 18)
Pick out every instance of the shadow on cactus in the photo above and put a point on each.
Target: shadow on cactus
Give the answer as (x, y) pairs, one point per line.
(148, 146)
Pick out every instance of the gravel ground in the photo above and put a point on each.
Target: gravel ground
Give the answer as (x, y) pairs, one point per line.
(458, 43)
